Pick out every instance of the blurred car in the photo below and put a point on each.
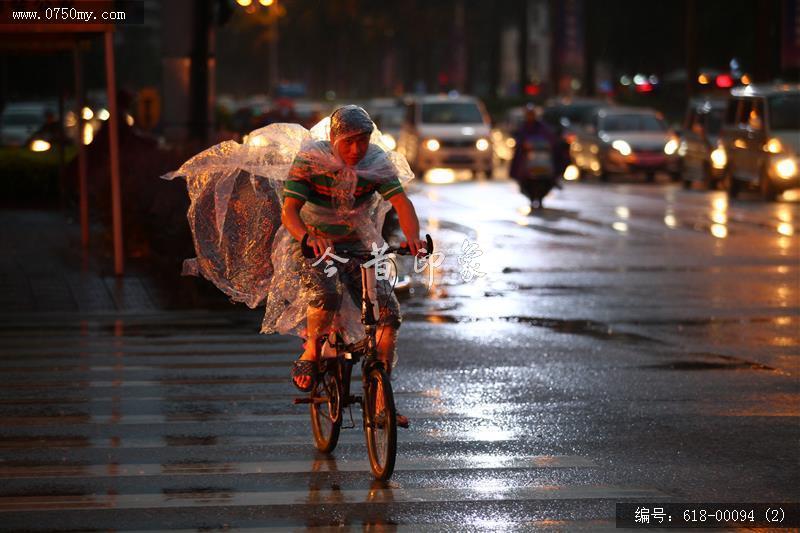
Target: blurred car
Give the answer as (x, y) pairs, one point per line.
(625, 140)
(387, 113)
(567, 116)
(702, 159)
(20, 120)
(761, 139)
(309, 112)
(451, 131)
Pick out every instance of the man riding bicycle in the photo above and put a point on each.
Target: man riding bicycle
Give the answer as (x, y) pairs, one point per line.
(252, 204)
(340, 190)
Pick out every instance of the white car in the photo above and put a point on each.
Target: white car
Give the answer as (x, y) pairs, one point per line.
(20, 120)
(447, 132)
(760, 139)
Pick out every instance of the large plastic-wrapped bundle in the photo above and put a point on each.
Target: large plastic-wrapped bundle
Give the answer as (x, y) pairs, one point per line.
(235, 215)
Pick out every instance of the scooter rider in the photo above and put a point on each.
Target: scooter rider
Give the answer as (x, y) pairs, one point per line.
(530, 136)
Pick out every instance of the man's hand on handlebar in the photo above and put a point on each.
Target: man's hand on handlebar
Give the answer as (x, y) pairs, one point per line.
(415, 245)
(319, 245)
(316, 246)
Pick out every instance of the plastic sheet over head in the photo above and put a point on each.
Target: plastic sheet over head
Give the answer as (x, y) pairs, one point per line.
(235, 215)
(350, 120)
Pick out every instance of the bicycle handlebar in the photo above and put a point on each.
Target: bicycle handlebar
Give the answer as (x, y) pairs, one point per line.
(308, 251)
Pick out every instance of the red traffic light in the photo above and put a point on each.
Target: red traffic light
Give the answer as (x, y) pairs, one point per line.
(724, 81)
(532, 89)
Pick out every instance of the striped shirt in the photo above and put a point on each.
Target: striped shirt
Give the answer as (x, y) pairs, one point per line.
(306, 185)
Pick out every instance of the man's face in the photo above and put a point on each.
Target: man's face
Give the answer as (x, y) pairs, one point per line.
(353, 149)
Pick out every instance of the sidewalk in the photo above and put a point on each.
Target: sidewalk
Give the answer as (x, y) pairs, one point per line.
(44, 269)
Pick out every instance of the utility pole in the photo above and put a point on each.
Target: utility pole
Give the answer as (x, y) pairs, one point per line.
(199, 79)
(274, 72)
(522, 45)
(589, 56)
(690, 46)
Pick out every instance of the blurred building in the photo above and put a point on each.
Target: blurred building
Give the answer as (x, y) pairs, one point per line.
(542, 50)
(790, 37)
(537, 34)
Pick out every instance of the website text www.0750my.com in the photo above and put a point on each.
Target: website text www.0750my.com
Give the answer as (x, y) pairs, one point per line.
(67, 15)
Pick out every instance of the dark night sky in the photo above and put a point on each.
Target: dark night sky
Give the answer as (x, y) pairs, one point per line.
(351, 39)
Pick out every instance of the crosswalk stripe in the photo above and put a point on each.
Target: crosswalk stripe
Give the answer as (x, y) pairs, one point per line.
(477, 462)
(86, 384)
(285, 397)
(89, 419)
(211, 338)
(83, 369)
(27, 443)
(488, 524)
(609, 525)
(82, 352)
(491, 492)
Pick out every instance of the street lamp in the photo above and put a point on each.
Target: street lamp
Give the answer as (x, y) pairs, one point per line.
(272, 21)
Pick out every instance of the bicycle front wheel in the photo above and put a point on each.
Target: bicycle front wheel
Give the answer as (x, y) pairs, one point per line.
(326, 412)
(380, 424)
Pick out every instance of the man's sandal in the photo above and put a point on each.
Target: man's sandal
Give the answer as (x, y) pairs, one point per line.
(402, 420)
(380, 420)
(302, 368)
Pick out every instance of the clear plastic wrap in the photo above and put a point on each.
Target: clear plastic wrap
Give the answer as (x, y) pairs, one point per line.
(235, 216)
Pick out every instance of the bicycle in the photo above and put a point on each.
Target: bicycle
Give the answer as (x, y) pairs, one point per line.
(331, 392)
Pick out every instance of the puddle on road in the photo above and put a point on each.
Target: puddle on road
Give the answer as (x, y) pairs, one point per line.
(190, 440)
(454, 226)
(590, 328)
(701, 365)
(719, 362)
(552, 231)
(717, 321)
(545, 289)
(619, 270)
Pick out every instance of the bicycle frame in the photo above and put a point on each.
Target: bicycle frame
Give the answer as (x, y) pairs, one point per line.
(334, 382)
(347, 356)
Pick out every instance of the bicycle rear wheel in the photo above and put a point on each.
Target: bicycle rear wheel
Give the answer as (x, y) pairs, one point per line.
(326, 412)
(380, 424)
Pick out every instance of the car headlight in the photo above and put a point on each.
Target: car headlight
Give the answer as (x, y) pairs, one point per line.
(622, 147)
(786, 168)
(773, 146)
(571, 173)
(87, 113)
(671, 147)
(88, 133)
(482, 145)
(388, 141)
(719, 158)
(432, 145)
(40, 145)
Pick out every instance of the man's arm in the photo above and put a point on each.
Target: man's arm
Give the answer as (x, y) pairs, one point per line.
(409, 222)
(290, 217)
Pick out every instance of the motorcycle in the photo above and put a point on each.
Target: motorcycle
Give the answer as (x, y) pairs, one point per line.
(539, 173)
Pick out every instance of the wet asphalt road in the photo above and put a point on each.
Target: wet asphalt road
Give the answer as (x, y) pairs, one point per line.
(631, 342)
